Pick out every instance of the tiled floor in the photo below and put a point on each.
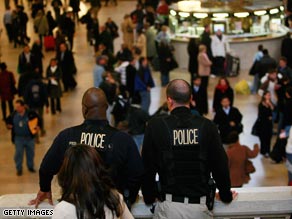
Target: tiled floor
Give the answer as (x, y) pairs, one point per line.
(267, 174)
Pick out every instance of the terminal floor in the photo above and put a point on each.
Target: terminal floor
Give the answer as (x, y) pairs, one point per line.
(267, 173)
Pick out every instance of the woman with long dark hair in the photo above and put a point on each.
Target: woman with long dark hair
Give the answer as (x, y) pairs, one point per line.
(265, 110)
(87, 190)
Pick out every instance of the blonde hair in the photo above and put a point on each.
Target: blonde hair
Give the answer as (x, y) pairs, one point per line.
(202, 47)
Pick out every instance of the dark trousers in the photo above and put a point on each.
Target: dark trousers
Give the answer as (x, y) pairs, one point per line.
(9, 31)
(55, 105)
(219, 66)
(265, 138)
(205, 81)
(3, 106)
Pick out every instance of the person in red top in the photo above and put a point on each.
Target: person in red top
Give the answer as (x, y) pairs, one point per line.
(238, 156)
(7, 89)
(162, 11)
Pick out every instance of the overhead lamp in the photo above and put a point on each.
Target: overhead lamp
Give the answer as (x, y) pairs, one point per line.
(220, 15)
(200, 15)
(188, 6)
(260, 13)
(172, 12)
(241, 14)
(282, 8)
(184, 14)
(274, 11)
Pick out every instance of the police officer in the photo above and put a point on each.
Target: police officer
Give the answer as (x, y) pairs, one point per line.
(117, 149)
(182, 150)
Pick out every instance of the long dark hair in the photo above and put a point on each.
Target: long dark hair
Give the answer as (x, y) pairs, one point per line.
(86, 184)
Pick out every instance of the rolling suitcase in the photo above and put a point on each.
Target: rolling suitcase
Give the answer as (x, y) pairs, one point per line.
(232, 65)
(49, 43)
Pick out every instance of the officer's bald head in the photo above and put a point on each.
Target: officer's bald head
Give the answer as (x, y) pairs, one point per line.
(179, 91)
(94, 104)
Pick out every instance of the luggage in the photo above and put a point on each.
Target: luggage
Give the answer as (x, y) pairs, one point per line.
(49, 43)
(232, 65)
(278, 152)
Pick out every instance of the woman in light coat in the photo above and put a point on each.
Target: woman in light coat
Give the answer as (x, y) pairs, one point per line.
(41, 25)
(141, 43)
(204, 65)
(127, 27)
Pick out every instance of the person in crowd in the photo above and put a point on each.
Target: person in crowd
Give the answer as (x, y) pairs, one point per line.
(51, 22)
(206, 40)
(41, 25)
(57, 4)
(165, 57)
(23, 133)
(143, 84)
(287, 109)
(228, 118)
(117, 149)
(16, 29)
(199, 96)
(36, 50)
(23, 20)
(286, 48)
(127, 28)
(289, 157)
(99, 69)
(137, 119)
(67, 26)
(223, 88)
(24, 79)
(95, 6)
(131, 73)
(7, 89)
(92, 196)
(54, 77)
(88, 20)
(265, 110)
(150, 15)
(67, 64)
(138, 16)
(150, 34)
(284, 69)
(7, 20)
(193, 52)
(172, 159)
(112, 27)
(220, 47)
(120, 109)
(106, 39)
(204, 63)
(26, 60)
(36, 97)
(163, 35)
(110, 88)
(36, 6)
(256, 70)
(238, 159)
(266, 63)
(162, 11)
(124, 54)
(75, 4)
(121, 69)
(104, 51)
(141, 42)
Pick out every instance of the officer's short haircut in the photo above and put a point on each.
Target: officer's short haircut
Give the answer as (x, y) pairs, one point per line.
(179, 90)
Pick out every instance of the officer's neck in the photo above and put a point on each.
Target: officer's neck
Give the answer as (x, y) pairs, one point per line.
(176, 105)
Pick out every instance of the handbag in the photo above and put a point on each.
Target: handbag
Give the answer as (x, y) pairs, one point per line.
(173, 64)
(255, 130)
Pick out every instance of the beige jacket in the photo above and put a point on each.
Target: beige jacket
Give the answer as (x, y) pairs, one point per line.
(204, 64)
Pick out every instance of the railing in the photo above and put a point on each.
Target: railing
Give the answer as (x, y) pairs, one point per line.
(260, 202)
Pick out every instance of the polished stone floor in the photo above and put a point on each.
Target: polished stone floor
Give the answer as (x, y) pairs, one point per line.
(267, 173)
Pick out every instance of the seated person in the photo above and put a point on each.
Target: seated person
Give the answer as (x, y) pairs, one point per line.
(87, 190)
(228, 119)
(239, 165)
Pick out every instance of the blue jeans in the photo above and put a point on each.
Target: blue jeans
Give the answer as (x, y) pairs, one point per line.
(22, 143)
(255, 85)
(138, 139)
(145, 100)
(164, 78)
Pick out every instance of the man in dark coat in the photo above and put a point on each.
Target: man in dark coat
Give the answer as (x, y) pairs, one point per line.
(228, 119)
(206, 40)
(266, 63)
(66, 61)
(200, 96)
(286, 48)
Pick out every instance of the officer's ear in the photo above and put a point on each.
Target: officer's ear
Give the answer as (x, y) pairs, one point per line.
(170, 102)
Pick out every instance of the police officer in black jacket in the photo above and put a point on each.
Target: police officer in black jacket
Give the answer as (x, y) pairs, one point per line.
(117, 149)
(182, 150)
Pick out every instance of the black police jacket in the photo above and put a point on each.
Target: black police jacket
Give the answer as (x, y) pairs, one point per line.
(183, 149)
(117, 149)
